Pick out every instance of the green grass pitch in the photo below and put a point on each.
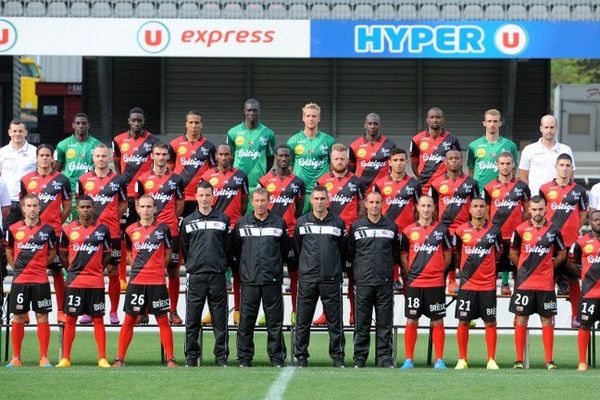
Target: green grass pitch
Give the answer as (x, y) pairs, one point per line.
(144, 378)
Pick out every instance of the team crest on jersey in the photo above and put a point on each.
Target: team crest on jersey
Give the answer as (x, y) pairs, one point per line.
(423, 146)
(385, 152)
(414, 236)
(113, 186)
(43, 236)
(89, 185)
(468, 186)
(324, 149)
(181, 150)
(491, 238)
(518, 192)
(271, 187)
(438, 235)
(295, 188)
(527, 236)
(99, 235)
(588, 248)
(387, 190)
(550, 236)
(213, 181)
(576, 195)
(147, 147)
(160, 235)
(262, 140)
(444, 189)
(481, 152)
(496, 193)
(466, 238)
(56, 185)
(553, 194)
(149, 185)
(352, 187)
(239, 140)
(172, 184)
(71, 153)
(124, 147)
(361, 153)
(299, 149)
(238, 180)
(446, 146)
(74, 235)
(136, 235)
(19, 235)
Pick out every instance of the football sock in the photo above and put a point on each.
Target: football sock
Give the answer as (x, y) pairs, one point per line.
(505, 275)
(69, 335)
(293, 287)
(125, 335)
(114, 292)
(574, 294)
(520, 337)
(59, 288)
(174, 291)
(548, 339)
(410, 340)
(18, 331)
(43, 333)
(100, 336)
(491, 338)
(439, 337)
(462, 338)
(166, 335)
(583, 339)
(236, 290)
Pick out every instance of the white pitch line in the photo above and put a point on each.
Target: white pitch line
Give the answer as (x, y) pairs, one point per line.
(277, 389)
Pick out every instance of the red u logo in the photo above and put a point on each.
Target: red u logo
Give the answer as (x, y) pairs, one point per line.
(507, 42)
(153, 41)
(4, 36)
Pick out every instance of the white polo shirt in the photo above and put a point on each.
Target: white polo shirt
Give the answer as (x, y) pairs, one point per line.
(14, 165)
(4, 198)
(595, 196)
(540, 161)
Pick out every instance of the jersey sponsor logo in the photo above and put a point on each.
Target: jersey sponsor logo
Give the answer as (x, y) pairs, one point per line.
(481, 152)
(487, 165)
(20, 235)
(239, 140)
(77, 166)
(136, 235)
(271, 187)
(134, 159)
(423, 146)
(505, 203)
(213, 181)
(340, 199)
(161, 197)
(562, 206)
(444, 189)
(477, 251)
(372, 164)
(437, 158)
(414, 236)
(361, 153)
(74, 235)
(299, 149)
(466, 238)
(281, 200)
(29, 246)
(124, 146)
(593, 259)
(553, 194)
(191, 162)
(46, 197)
(102, 199)
(150, 247)
(395, 201)
(539, 250)
(32, 185)
(454, 200)
(225, 192)
(247, 153)
(527, 236)
(425, 248)
(310, 162)
(71, 153)
(387, 190)
(149, 184)
(86, 248)
(588, 248)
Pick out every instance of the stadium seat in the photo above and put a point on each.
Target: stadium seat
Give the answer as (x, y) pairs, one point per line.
(166, 10)
(188, 9)
(581, 12)
(123, 9)
(101, 9)
(255, 10)
(320, 11)
(538, 12)
(494, 10)
(12, 9)
(276, 10)
(35, 9)
(450, 10)
(407, 11)
(232, 11)
(211, 9)
(57, 9)
(341, 11)
(516, 11)
(144, 9)
(363, 11)
(297, 11)
(79, 9)
(560, 12)
(472, 11)
(385, 11)
(429, 11)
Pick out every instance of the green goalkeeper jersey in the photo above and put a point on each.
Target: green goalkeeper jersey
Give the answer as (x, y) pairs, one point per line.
(482, 156)
(75, 157)
(251, 149)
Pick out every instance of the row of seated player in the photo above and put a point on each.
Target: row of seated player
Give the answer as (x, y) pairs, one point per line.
(317, 9)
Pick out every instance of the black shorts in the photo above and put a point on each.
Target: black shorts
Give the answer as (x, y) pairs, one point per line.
(24, 294)
(474, 304)
(115, 252)
(430, 302)
(528, 302)
(504, 264)
(189, 206)
(175, 246)
(589, 312)
(80, 301)
(146, 299)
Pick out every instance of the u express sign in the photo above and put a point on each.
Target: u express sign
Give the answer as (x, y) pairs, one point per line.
(298, 38)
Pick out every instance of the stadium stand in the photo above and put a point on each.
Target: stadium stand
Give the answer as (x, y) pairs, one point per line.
(79, 9)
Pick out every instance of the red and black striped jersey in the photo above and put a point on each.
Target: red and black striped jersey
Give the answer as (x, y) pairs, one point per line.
(30, 245)
(133, 156)
(192, 159)
(507, 204)
(230, 189)
(477, 248)
(344, 195)
(431, 153)
(107, 192)
(399, 199)
(425, 246)
(586, 251)
(85, 246)
(52, 190)
(563, 205)
(371, 160)
(283, 193)
(535, 268)
(165, 190)
(453, 198)
(148, 245)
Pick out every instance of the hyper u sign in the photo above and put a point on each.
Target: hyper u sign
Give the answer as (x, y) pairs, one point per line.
(298, 38)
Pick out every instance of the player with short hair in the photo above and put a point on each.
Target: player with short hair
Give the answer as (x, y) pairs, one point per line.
(311, 148)
(109, 192)
(192, 155)
(167, 190)
(230, 196)
(567, 209)
(84, 251)
(537, 249)
(425, 254)
(401, 194)
(585, 252)
(286, 199)
(54, 193)
(452, 193)
(149, 250)
(369, 154)
(477, 244)
(482, 153)
(508, 199)
(428, 149)
(373, 250)
(30, 249)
